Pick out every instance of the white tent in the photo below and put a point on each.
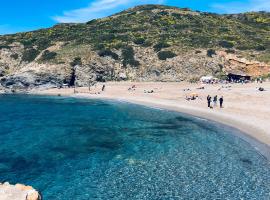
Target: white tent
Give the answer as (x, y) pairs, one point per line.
(207, 79)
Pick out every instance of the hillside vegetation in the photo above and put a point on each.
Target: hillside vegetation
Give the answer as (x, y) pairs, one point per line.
(161, 32)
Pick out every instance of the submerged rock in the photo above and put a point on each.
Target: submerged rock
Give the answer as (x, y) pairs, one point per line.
(18, 192)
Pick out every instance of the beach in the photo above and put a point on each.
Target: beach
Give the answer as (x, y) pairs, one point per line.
(245, 107)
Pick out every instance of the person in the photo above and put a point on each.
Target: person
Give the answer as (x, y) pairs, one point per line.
(215, 100)
(103, 88)
(221, 102)
(209, 101)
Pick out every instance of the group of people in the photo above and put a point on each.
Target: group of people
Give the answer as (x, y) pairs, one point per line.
(215, 99)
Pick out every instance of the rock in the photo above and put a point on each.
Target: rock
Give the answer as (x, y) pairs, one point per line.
(18, 192)
(261, 89)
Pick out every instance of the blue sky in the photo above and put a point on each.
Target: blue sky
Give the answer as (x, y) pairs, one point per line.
(25, 15)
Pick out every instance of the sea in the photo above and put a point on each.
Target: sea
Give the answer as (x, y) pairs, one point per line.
(82, 149)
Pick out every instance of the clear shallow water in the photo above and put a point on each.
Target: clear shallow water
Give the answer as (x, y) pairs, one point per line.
(73, 149)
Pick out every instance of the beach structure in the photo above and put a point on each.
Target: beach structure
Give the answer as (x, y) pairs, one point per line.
(238, 76)
(208, 79)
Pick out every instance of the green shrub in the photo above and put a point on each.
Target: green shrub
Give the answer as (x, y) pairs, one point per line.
(43, 43)
(164, 55)
(15, 56)
(159, 46)
(260, 48)
(128, 57)
(4, 47)
(30, 54)
(76, 61)
(48, 55)
(28, 43)
(226, 44)
(108, 52)
(91, 22)
(139, 41)
(211, 52)
(230, 51)
(194, 80)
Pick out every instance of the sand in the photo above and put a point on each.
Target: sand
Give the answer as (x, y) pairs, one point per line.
(245, 107)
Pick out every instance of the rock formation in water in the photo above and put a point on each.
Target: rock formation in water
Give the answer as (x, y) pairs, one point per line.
(18, 192)
(145, 43)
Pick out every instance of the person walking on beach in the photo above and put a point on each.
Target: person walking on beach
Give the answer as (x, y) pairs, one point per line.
(103, 88)
(221, 102)
(215, 100)
(209, 101)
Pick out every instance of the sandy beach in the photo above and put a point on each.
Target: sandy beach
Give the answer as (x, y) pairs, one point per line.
(245, 107)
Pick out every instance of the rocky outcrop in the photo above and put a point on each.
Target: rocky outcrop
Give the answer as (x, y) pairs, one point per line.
(252, 68)
(18, 192)
(187, 65)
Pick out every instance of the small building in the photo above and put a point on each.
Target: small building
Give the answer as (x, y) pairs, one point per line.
(238, 76)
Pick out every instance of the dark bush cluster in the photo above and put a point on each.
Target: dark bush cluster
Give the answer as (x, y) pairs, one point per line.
(30, 54)
(164, 55)
(230, 51)
(4, 47)
(139, 41)
(226, 44)
(260, 48)
(108, 52)
(159, 46)
(211, 52)
(76, 61)
(43, 43)
(48, 55)
(15, 56)
(128, 57)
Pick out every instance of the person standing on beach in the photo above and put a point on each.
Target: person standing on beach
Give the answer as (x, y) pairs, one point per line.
(103, 88)
(221, 102)
(215, 100)
(209, 101)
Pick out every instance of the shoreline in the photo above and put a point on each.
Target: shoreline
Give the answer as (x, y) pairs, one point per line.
(255, 129)
(245, 133)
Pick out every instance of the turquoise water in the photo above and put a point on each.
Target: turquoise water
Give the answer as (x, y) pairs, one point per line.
(75, 149)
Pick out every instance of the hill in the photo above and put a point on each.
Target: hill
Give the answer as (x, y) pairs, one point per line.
(145, 43)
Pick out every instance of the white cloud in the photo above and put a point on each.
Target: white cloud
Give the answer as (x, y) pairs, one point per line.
(100, 8)
(238, 6)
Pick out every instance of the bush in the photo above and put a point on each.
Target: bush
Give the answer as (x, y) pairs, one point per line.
(260, 48)
(43, 43)
(108, 52)
(160, 46)
(4, 47)
(29, 55)
(194, 80)
(28, 43)
(211, 52)
(128, 57)
(48, 55)
(226, 44)
(15, 56)
(76, 61)
(230, 51)
(139, 41)
(164, 55)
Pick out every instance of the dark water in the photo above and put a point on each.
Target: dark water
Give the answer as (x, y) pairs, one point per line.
(75, 149)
